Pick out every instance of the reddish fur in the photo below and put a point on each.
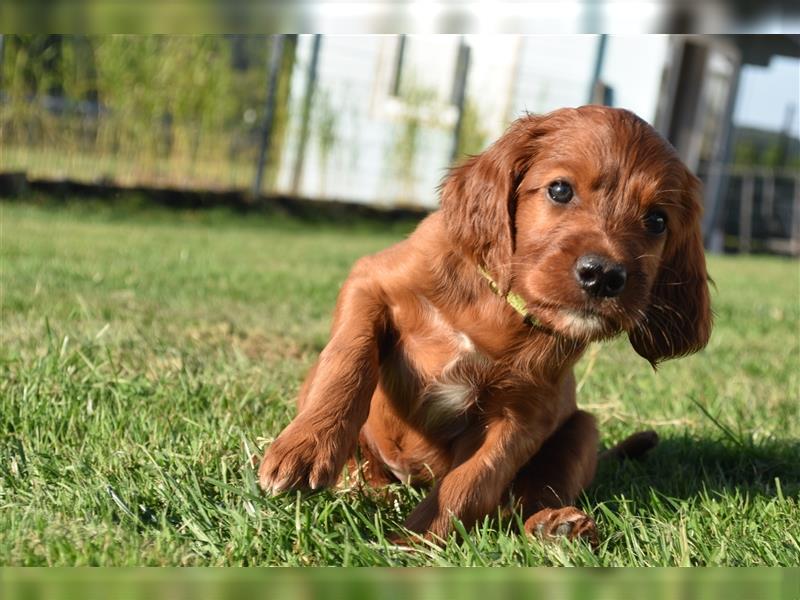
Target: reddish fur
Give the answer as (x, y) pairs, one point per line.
(402, 315)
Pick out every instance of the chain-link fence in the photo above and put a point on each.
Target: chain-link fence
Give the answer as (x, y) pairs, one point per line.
(168, 111)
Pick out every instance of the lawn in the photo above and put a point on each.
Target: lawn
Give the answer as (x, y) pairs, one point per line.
(147, 355)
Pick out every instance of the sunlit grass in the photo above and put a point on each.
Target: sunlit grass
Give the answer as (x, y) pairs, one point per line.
(146, 356)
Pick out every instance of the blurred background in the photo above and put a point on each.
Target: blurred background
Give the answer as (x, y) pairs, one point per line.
(377, 120)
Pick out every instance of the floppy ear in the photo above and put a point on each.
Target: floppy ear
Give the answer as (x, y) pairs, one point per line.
(678, 319)
(479, 200)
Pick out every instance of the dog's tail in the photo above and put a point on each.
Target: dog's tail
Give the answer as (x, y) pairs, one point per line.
(634, 446)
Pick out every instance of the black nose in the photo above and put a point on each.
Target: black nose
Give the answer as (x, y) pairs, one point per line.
(599, 276)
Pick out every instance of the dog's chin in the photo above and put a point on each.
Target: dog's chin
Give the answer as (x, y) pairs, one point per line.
(583, 325)
(581, 322)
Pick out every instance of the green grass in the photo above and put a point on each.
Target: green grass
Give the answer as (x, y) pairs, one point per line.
(147, 355)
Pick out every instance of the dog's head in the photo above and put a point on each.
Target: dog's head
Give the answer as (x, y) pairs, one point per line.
(589, 215)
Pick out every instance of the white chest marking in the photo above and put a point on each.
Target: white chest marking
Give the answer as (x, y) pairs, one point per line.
(465, 344)
(456, 390)
(449, 400)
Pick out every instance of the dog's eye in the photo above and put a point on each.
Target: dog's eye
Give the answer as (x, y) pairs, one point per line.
(655, 222)
(560, 191)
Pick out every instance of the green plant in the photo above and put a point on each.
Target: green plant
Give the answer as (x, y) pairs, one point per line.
(413, 120)
(326, 131)
(473, 137)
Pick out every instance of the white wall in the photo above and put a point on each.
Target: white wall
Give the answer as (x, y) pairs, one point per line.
(554, 72)
(491, 82)
(355, 73)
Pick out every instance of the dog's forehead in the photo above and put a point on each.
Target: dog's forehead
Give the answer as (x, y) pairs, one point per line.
(607, 156)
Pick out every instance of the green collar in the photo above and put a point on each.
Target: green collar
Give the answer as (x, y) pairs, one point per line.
(514, 300)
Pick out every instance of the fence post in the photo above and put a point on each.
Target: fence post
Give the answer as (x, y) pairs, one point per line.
(794, 247)
(768, 200)
(276, 55)
(460, 94)
(2, 48)
(597, 94)
(717, 185)
(311, 83)
(746, 213)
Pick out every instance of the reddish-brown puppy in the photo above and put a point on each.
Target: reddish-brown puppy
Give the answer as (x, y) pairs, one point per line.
(451, 353)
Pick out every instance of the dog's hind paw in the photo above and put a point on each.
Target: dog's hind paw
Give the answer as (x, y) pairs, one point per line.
(569, 522)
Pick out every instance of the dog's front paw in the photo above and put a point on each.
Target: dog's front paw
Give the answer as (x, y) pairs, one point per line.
(428, 519)
(566, 522)
(301, 459)
(433, 517)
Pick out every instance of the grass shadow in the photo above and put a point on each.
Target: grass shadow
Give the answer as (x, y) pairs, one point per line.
(684, 467)
(119, 202)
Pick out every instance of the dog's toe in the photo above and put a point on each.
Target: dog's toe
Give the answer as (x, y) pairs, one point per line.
(568, 522)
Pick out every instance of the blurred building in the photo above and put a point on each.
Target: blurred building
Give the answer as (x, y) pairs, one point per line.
(391, 113)
(749, 200)
(378, 119)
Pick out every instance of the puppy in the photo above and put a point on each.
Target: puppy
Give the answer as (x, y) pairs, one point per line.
(451, 354)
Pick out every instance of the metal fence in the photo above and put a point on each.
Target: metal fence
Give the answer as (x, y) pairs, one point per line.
(166, 111)
(760, 210)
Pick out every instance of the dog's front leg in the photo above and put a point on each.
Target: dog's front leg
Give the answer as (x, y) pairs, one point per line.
(487, 460)
(311, 452)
